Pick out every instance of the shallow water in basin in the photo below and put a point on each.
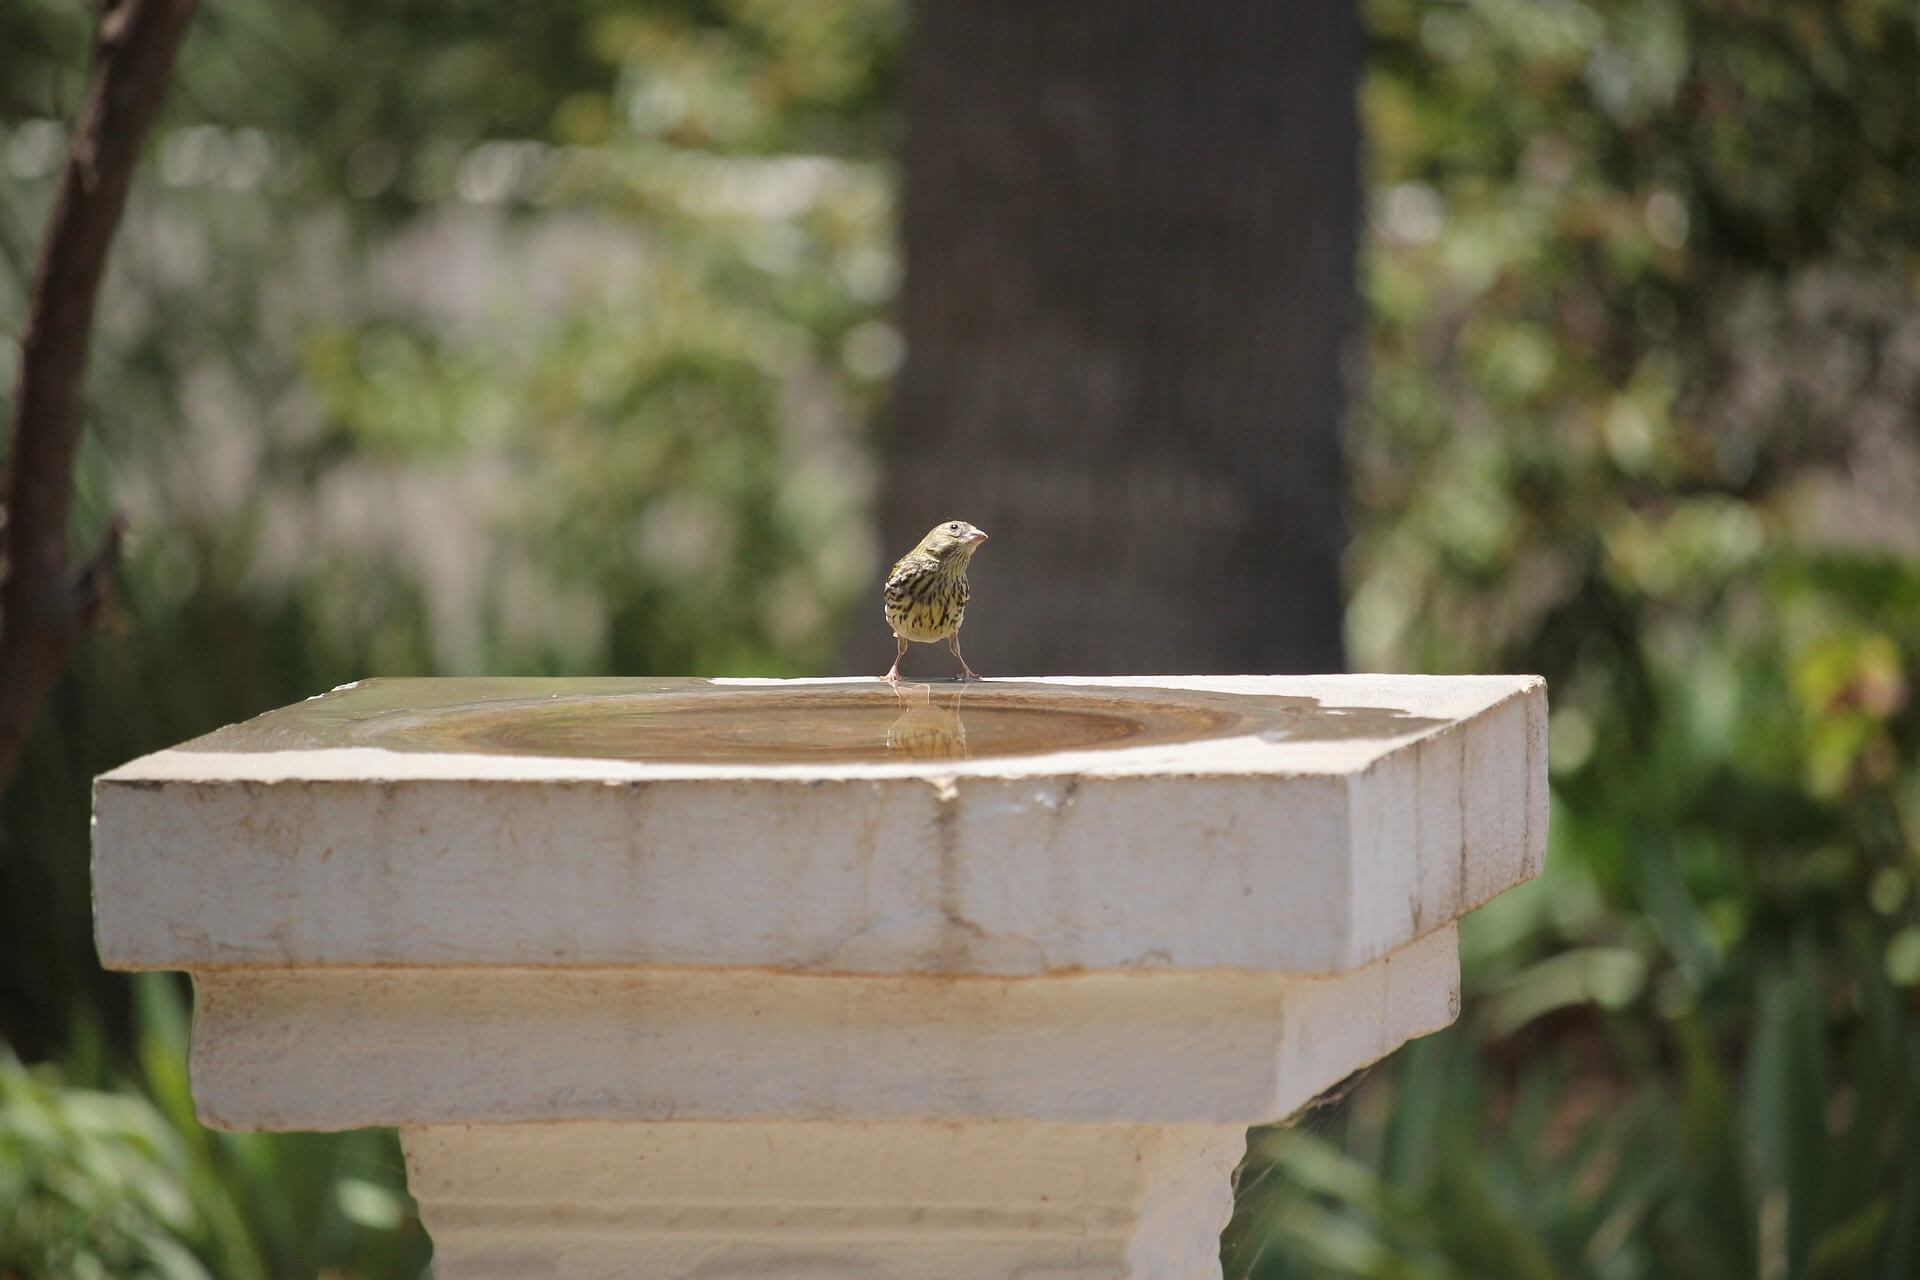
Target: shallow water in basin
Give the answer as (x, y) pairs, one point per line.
(696, 721)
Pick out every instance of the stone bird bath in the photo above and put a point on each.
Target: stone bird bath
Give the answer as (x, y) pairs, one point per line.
(822, 980)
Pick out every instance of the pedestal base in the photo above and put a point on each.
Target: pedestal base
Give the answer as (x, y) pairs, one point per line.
(823, 1201)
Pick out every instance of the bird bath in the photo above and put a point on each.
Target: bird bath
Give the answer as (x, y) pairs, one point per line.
(819, 979)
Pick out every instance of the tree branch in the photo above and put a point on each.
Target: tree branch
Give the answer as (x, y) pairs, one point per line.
(44, 605)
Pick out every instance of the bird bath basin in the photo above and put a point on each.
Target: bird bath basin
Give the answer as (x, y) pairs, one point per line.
(687, 721)
(805, 979)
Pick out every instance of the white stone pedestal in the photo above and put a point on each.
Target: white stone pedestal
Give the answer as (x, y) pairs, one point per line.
(785, 980)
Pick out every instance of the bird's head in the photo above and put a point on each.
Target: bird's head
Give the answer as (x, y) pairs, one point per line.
(952, 541)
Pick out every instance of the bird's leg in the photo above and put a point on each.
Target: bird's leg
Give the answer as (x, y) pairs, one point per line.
(966, 672)
(893, 676)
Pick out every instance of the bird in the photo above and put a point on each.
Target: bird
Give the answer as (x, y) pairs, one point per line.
(926, 592)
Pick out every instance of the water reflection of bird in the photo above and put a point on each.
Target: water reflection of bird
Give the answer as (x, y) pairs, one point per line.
(926, 593)
(925, 730)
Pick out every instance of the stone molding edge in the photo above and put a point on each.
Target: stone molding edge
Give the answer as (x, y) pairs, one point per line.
(401, 1047)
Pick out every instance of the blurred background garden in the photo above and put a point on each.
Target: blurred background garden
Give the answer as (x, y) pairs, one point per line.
(561, 339)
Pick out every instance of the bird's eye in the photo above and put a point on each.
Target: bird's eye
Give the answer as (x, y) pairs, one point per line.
(953, 528)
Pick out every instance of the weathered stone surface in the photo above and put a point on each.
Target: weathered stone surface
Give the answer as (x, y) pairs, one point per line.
(442, 1046)
(1391, 805)
(864, 1201)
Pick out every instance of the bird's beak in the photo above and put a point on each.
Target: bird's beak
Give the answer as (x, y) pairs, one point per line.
(977, 537)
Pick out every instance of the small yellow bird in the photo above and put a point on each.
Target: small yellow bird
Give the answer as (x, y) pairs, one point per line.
(926, 593)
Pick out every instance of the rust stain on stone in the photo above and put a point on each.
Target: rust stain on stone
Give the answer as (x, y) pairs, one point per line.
(954, 948)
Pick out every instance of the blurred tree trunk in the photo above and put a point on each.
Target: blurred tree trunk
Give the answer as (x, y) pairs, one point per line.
(46, 604)
(1130, 233)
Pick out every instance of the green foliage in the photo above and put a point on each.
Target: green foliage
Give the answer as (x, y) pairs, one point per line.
(114, 1179)
(1640, 418)
(92, 1181)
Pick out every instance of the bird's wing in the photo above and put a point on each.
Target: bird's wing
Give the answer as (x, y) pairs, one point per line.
(907, 568)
